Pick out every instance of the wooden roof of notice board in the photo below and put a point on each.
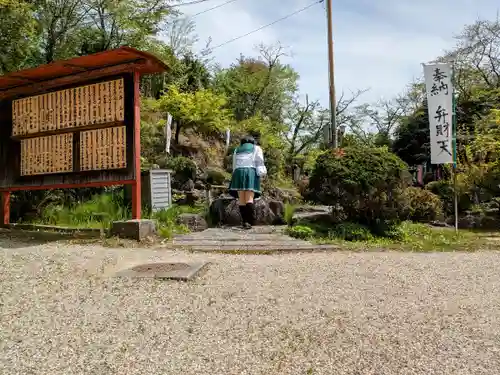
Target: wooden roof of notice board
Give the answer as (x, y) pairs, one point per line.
(76, 70)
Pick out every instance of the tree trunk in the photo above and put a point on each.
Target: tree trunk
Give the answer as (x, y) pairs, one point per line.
(177, 132)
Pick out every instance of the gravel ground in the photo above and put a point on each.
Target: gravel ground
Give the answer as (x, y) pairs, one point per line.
(62, 312)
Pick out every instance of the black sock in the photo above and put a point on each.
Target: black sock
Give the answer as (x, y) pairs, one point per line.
(251, 213)
(243, 214)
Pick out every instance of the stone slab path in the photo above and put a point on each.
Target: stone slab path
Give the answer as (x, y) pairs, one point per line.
(266, 239)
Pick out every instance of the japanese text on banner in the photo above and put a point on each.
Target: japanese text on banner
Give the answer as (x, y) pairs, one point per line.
(439, 89)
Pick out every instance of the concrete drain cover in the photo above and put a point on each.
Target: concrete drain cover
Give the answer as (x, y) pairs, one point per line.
(173, 271)
(161, 267)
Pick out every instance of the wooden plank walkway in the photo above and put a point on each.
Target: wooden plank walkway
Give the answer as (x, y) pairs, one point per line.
(265, 239)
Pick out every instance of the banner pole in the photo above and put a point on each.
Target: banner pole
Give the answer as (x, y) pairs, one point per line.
(454, 135)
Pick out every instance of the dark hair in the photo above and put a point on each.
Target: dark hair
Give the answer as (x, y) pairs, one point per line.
(247, 139)
(256, 135)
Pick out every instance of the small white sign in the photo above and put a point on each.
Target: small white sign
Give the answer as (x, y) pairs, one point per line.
(228, 138)
(439, 89)
(168, 133)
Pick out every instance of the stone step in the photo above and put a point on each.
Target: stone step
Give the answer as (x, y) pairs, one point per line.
(255, 230)
(253, 243)
(232, 238)
(229, 248)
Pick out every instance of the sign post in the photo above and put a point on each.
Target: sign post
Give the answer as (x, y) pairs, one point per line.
(442, 118)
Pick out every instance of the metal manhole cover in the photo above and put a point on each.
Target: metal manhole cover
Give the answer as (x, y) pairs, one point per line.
(160, 267)
(175, 271)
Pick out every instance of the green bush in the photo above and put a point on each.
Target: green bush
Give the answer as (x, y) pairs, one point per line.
(300, 231)
(351, 232)
(422, 205)
(393, 232)
(216, 176)
(365, 183)
(183, 167)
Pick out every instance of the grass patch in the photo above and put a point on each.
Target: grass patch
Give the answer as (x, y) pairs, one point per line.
(98, 212)
(409, 237)
(102, 210)
(167, 220)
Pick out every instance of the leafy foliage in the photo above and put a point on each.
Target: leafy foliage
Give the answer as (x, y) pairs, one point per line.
(422, 205)
(183, 167)
(300, 231)
(202, 111)
(258, 86)
(351, 232)
(365, 182)
(216, 176)
(17, 34)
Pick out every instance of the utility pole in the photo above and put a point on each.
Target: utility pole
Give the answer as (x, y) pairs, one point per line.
(331, 72)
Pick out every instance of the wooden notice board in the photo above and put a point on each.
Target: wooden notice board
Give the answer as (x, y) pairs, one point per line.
(67, 111)
(74, 123)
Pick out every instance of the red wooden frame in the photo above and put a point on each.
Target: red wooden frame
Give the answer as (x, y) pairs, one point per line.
(122, 60)
(5, 207)
(136, 187)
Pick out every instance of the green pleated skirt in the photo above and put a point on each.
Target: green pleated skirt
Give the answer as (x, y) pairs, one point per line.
(245, 179)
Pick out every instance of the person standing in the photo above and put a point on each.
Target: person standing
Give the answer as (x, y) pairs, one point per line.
(248, 169)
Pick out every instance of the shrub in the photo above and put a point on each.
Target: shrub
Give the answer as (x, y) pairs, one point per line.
(366, 184)
(351, 232)
(393, 232)
(300, 231)
(216, 176)
(422, 205)
(183, 167)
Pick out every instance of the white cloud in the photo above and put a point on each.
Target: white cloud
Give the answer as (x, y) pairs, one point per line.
(378, 44)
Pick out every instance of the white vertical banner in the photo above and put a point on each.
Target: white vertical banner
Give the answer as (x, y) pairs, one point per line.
(168, 133)
(438, 84)
(228, 138)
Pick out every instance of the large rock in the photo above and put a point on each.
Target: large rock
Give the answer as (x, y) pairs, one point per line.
(225, 211)
(283, 195)
(195, 222)
(476, 220)
(313, 214)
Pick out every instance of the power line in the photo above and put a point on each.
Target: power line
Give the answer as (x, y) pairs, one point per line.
(210, 49)
(189, 3)
(215, 7)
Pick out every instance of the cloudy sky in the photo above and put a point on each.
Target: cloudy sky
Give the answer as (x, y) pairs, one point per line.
(379, 44)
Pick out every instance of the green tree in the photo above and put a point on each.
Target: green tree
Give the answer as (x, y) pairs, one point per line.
(17, 35)
(260, 85)
(202, 111)
(412, 138)
(79, 27)
(305, 124)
